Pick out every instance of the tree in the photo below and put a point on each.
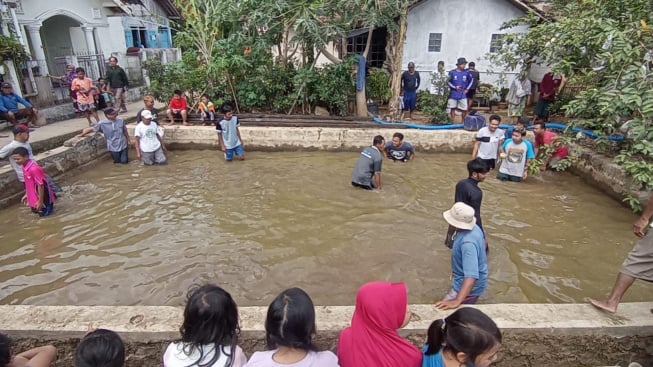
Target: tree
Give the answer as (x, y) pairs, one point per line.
(607, 47)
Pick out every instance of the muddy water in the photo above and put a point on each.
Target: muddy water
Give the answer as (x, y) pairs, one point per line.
(127, 235)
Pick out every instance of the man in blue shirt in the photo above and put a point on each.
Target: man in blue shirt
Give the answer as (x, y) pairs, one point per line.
(468, 258)
(460, 81)
(9, 106)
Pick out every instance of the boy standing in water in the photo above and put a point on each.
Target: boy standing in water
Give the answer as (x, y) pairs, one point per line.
(229, 133)
(38, 192)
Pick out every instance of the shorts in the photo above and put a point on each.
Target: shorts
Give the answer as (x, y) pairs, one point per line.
(639, 263)
(120, 157)
(469, 300)
(471, 93)
(491, 163)
(504, 177)
(176, 114)
(22, 113)
(460, 104)
(238, 151)
(410, 101)
(366, 187)
(517, 109)
(542, 108)
(155, 157)
(86, 107)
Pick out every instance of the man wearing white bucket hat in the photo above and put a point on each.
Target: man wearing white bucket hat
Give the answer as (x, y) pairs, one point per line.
(468, 258)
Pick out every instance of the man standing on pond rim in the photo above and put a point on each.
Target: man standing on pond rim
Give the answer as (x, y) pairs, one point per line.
(367, 172)
(460, 81)
(409, 85)
(638, 264)
(118, 82)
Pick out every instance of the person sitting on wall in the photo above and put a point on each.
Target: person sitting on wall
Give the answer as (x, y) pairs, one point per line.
(9, 107)
(177, 108)
(36, 357)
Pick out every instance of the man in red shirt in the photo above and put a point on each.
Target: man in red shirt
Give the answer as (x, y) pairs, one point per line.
(548, 88)
(542, 137)
(177, 107)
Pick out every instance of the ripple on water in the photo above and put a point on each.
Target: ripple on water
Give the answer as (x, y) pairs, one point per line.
(125, 235)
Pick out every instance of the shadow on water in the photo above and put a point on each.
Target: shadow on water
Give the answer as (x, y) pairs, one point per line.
(127, 235)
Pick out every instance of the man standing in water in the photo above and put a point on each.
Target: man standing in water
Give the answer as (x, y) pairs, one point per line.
(638, 264)
(367, 172)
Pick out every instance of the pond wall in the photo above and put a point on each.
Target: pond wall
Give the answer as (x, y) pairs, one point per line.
(534, 334)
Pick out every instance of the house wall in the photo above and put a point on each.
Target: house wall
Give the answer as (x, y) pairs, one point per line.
(466, 26)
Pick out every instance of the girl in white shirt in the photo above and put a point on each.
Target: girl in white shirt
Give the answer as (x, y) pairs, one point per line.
(209, 334)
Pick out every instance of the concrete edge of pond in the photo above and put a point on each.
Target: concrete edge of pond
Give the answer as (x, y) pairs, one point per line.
(597, 170)
(533, 334)
(631, 318)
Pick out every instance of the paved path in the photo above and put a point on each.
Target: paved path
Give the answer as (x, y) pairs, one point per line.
(68, 126)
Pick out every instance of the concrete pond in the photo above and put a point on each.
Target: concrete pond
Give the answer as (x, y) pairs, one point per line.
(570, 334)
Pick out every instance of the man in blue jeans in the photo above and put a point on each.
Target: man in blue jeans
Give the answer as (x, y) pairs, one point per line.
(409, 85)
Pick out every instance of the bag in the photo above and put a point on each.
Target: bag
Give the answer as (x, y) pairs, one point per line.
(451, 235)
(473, 122)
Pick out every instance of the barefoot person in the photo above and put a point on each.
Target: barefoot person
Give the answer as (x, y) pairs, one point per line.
(638, 264)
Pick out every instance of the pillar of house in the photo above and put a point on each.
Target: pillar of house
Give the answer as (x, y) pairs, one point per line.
(34, 31)
(90, 39)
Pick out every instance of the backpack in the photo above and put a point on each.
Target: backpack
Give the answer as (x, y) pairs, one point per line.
(473, 122)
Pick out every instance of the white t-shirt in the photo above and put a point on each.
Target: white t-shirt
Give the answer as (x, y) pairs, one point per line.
(148, 137)
(312, 359)
(174, 356)
(488, 150)
(7, 151)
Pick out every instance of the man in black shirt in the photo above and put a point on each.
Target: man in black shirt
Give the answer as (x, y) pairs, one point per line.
(409, 84)
(468, 192)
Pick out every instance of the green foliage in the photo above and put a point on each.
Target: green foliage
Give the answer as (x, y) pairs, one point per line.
(332, 87)
(606, 48)
(11, 49)
(434, 106)
(377, 85)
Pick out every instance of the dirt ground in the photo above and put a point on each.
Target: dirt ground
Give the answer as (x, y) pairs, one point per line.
(520, 348)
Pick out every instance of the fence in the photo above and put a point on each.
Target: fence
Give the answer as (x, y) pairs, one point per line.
(42, 79)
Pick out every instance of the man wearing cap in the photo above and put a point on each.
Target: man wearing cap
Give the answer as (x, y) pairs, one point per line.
(409, 84)
(149, 145)
(468, 258)
(115, 133)
(460, 81)
(9, 106)
(367, 172)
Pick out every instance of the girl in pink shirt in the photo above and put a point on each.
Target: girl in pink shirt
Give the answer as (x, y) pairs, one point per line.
(39, 195)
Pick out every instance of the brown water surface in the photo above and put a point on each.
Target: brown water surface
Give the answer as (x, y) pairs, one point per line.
(134, 235)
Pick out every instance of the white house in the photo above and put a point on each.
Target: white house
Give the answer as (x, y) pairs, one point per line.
(448, 29)
(83, 33)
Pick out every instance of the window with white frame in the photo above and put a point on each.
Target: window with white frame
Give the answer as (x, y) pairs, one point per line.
(496, 42)
(435, 42)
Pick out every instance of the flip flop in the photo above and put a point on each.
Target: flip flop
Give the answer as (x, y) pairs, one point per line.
(6, 136)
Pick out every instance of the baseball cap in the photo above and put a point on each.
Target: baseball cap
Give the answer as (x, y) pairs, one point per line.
(146, 114)
(110, 111)
(461, 60)
(19, 128)
(6, 85)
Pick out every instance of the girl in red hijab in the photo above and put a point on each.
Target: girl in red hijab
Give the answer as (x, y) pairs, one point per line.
(372, 339)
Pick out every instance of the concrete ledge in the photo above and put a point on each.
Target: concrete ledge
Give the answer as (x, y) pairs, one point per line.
(534, 334)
